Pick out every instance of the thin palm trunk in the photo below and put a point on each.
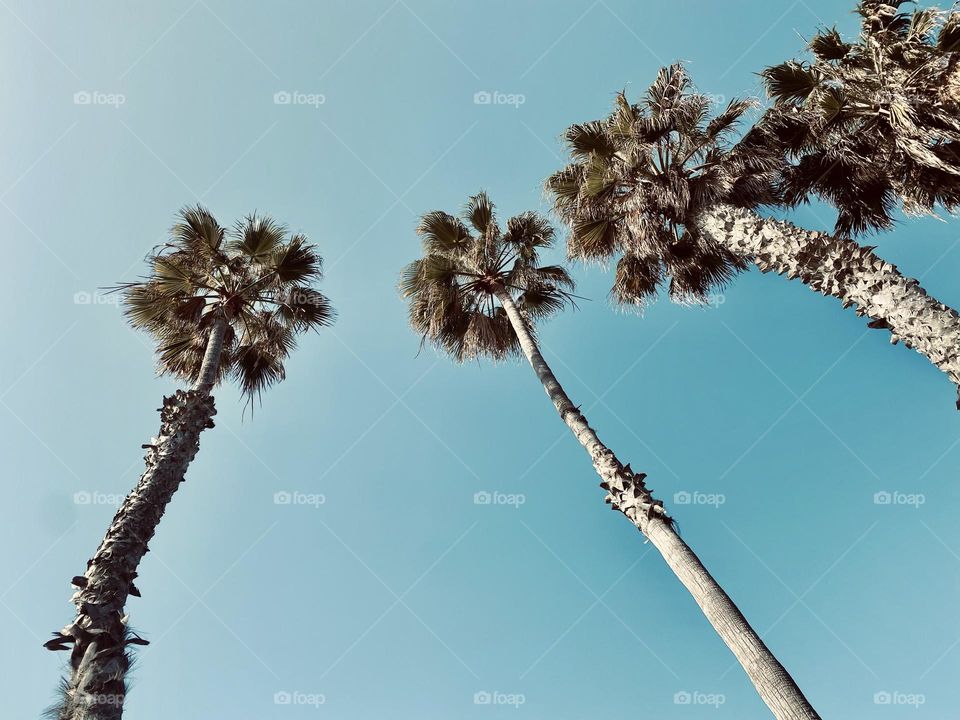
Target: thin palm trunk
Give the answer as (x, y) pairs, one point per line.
(627, 493)
(850, 272)
(99, 661)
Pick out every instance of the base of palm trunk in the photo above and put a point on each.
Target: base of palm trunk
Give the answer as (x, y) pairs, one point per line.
(99, 634)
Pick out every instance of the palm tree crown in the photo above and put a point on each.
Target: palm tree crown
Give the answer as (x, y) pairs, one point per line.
(453, 288)
(255, 278)
(640, 178)
(873, 124)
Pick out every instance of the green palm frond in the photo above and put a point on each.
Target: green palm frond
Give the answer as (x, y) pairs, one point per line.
(296, 261)
(479, 211)
(592, 239)
(198, 231)
(443, 232)
(588, 139)
(257, 237)
(564, 185)
(173, 276)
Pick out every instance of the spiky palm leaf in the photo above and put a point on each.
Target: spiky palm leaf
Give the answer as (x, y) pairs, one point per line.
(452, 289)
(256, 277)
(640, 178)
(873, 125)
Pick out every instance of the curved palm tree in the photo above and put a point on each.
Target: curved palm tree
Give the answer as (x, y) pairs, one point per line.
(661, 186)
(478, 294)
(220, 306)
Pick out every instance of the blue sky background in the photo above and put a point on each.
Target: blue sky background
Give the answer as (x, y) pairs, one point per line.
(399, 596)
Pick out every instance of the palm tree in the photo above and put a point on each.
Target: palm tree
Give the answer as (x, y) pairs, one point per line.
(479, 293)
(662, 187)
(220, 305)
(874, 124)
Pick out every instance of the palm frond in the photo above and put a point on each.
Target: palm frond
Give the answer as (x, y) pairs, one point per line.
(828, 45)
(479, 211)
(789, 81)
(198, 230)
(257, 237)
(948, 40)
(296, 261)
(442, 232)
(588, 139)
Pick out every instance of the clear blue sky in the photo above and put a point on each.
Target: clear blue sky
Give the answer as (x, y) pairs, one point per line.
(399, 596)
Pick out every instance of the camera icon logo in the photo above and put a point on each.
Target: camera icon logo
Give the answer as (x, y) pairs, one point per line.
(682, 698)
(482, 698)
(482, 97)
(82, 98)
(282, 698)
(681, 498)
(82, 498)
(482, 498)
(282, 97)
(282, 498)
(882, 498)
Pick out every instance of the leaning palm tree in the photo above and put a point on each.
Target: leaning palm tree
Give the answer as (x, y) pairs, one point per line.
(664, 188)
(478, 293)
(220, 306)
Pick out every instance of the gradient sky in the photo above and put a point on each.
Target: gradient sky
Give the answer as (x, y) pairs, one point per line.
(398, 596)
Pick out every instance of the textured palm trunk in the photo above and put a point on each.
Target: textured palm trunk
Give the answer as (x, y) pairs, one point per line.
(849, 272)
(99, 660)
(628, 493)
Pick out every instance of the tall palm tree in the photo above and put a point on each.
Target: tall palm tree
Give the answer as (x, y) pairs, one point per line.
(220, 306)
(663, 187)
(479, 293)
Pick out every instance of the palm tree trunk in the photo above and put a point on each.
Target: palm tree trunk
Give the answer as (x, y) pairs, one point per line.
(99, 634)
(627, 492)
(849, 272)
